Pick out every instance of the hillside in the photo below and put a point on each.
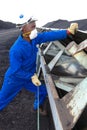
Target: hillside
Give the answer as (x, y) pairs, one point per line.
(6, 25)
(63, 24)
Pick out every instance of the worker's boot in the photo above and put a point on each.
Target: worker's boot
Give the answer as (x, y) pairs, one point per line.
(42, 111)
(42, 108)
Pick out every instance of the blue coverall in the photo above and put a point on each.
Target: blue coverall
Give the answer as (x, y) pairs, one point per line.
(22, 67)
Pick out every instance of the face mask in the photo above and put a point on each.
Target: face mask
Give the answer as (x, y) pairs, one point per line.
(33, 34)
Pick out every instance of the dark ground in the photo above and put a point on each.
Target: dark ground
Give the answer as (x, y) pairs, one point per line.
(17, 115)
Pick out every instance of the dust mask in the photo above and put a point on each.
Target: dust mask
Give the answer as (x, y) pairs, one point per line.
(33, 34)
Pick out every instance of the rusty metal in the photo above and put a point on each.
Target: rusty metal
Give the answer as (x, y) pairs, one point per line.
(45, 51)
(55, 60)
(53, 97)
(66, 110)
(67, 83)
(76, 101)
(77, 48)
(78, 53)
(52, 94)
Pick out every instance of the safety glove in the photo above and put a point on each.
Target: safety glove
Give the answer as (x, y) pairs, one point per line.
(73, 28)
(35, 80)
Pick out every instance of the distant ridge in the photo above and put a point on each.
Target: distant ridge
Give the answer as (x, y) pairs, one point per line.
(63, 24)
(6, 25)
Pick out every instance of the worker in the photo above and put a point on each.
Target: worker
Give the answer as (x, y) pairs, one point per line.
(21, 72)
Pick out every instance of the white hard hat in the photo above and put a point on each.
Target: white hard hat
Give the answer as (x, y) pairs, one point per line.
(23, 20)
(31, 19)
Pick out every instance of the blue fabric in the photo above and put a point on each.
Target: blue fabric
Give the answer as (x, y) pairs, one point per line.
(12, 86)
(22, 57)
(42, 95)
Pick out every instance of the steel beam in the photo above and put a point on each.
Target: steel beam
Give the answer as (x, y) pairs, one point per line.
(75, 101)
(67, 110)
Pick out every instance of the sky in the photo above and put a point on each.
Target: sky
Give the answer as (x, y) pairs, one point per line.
(43, 10)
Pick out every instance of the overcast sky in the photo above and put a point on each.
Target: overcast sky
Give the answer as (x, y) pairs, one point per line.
(44, 10)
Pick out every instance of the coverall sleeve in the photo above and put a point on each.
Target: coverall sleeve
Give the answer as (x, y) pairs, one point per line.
(51, 36)
(16, 66)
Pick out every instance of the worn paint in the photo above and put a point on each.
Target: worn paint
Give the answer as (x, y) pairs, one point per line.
(78, 100)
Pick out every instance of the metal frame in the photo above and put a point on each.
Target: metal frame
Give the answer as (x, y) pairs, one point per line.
(66, 110)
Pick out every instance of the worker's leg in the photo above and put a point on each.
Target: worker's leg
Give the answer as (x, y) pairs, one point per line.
(39, 91)
(41, 94)
(8, 91)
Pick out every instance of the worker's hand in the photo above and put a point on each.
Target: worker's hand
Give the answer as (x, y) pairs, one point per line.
(73, 28)
(35, 80)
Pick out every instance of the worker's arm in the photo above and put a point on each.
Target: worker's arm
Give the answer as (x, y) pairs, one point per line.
(56, 34)
(51, 36)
